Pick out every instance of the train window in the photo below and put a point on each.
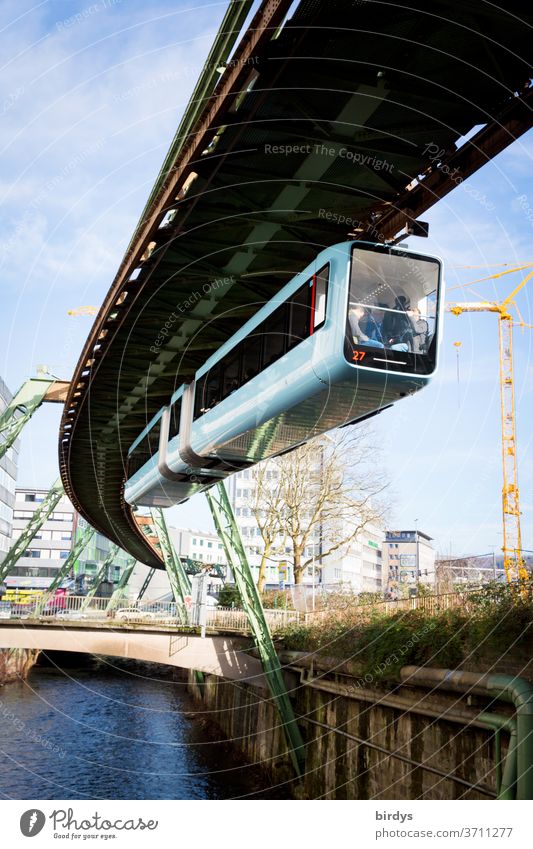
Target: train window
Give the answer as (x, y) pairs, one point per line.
(321, 291)
(153, 438)
(300, 315)
(274, 330)
(251, 356)
(174, 424)
(139, 456)
(213, 387)
(199, 392)
(393, 302)
(231, 365)
(287, 326)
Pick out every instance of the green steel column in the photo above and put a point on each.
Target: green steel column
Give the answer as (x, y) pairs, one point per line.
(100, 576)
(146, 584)
(83, 540)
(179, 580)
(20, 410)
(39, 518)
(237, 560)
(122, 584)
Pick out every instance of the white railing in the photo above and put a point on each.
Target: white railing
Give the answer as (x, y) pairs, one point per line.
(236, 620)
(79, 608)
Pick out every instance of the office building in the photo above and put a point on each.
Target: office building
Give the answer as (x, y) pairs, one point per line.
(408, 559)
(51, 544)
(8, 478)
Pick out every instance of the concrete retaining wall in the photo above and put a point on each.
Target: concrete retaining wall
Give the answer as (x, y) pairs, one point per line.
(436, 731)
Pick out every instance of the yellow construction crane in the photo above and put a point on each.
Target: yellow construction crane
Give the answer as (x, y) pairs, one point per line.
(83, 311)
(513, 560)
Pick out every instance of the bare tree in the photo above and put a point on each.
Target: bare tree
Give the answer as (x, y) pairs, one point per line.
(325, 492)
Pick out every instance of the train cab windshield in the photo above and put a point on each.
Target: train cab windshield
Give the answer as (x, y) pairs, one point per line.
(392, 309)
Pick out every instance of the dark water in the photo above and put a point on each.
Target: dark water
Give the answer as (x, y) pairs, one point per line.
(118, 730)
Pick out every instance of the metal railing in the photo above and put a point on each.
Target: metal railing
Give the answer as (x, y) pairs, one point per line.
(231, 619)
(79, 608)
(220, 618)
(468, 600)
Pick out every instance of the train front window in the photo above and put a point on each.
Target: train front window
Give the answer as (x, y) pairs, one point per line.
(392, 309)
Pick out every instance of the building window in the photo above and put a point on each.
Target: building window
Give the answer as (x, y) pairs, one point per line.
(63, 555)
(29, 496)
(210, 545)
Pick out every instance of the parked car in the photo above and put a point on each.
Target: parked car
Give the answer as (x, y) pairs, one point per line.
(128, 614)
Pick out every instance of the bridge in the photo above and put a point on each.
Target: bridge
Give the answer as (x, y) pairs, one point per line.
(346, 119)
(224, 656)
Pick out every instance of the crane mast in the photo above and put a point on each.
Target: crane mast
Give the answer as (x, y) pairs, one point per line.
(512, 542)
(513, 559)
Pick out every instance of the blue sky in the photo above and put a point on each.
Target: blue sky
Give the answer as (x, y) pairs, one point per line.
(91, 96)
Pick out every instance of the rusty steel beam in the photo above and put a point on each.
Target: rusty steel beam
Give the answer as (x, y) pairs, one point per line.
(453, 168)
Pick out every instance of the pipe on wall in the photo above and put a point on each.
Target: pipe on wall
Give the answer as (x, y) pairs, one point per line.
(509, 688)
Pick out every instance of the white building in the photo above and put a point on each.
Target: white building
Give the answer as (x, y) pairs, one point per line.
(198, 545)
(408, 559)
(359, 568)
(50, 546)
(201, 546)
(8, 476)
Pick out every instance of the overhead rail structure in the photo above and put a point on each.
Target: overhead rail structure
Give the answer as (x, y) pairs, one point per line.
(347, 118)
(119, 594)
(179, 580)
(24, 403)
(229, 534)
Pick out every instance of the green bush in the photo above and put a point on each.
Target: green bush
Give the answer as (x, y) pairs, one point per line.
(501, 621)
(229, 596)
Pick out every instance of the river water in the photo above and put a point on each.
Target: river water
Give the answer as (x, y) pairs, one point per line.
(114, 730)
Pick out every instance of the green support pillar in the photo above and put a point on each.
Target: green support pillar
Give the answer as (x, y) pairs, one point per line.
(39, 518)
(19, 411)
(83, 540)
(118, 594)
(100, 576)
(146, 584)
(179, 580)
(237, 560)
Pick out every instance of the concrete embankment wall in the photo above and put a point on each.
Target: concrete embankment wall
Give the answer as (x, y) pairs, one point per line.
(16, 663)
(349, 733)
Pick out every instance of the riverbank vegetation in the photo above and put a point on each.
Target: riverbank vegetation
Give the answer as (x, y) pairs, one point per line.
(491, 626)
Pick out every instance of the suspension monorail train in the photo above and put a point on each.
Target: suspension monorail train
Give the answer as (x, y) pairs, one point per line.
(355, 331)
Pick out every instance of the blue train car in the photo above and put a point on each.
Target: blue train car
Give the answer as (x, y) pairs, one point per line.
(355, 331)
